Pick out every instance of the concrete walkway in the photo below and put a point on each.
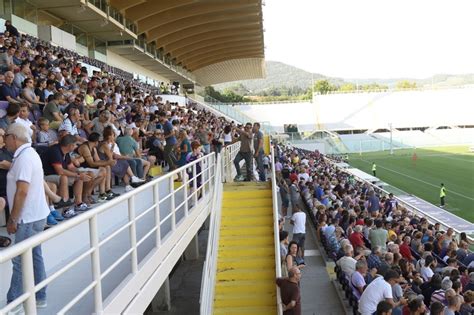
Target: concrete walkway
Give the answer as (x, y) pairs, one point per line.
(318, 294)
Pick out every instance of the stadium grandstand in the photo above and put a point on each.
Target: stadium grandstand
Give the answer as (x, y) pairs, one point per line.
(117, 179)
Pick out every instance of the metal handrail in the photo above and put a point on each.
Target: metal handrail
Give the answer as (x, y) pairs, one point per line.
(210, 265)
(276, 231)
(229, 154)
(24, 248)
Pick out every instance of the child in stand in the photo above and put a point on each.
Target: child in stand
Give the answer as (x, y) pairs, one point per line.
(194, 155)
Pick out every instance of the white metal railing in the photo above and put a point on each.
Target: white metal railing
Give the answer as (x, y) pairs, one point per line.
(276, 230)
(192, 209)
(228, 155)
(210, 265)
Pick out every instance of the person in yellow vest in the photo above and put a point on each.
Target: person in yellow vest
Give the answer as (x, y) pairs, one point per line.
(374, 169)
(442, 195)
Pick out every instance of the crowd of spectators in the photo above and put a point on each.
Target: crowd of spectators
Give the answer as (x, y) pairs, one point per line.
(94, 130)
(388, 260)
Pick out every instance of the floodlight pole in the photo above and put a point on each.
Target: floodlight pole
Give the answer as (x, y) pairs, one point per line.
(391, 139)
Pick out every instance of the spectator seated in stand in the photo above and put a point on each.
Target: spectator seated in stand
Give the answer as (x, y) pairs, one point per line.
(422, 255)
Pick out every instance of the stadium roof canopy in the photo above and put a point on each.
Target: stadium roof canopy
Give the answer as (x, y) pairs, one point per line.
(215, 40)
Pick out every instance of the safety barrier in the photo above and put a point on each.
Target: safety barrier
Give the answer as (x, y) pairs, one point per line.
(188, 204)
(210, 265)
(276, 230)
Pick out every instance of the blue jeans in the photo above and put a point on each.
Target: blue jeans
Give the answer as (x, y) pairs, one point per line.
(206, 148)
(247, 156)
(136, 166)
(260, 168)
(24, 231)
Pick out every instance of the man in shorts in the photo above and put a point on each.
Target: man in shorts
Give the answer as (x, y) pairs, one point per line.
(58, 169)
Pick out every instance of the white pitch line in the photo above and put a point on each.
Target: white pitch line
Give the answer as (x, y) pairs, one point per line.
(422, 181)
(447, 156)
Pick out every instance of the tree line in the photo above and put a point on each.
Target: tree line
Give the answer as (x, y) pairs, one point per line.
(240, 94)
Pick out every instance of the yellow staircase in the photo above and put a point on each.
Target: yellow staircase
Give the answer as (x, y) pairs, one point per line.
(245, 280)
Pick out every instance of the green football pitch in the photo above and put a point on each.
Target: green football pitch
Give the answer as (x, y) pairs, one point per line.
(453, 166)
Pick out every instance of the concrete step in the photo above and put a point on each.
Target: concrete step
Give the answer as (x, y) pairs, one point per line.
(238, 262)
(249, 211)
(255, 220)
(246, 240)
(247, 202)
(244, 299)
(244, 286)
(254, 193)
(247, 230)
(245, 251)
(264, 273)
(247, 186)
(246, 310)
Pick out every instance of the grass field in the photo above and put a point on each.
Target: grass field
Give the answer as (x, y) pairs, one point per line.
(453, 166)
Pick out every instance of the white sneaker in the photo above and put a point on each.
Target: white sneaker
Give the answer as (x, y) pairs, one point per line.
(41, 304)
(136, 180)
(128, 188)
(17, 310)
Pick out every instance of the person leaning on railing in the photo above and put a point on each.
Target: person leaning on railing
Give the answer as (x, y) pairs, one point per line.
(290, 292)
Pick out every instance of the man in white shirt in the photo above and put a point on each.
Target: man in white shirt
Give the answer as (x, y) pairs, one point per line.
(378, 290)
(29, 209)
(298, 220)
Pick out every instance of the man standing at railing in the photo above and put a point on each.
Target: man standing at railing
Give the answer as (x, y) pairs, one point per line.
(29, 209)
(245, 152)
(290, 292)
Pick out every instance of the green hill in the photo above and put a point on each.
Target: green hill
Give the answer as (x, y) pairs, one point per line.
(284, 76)
(278, 75)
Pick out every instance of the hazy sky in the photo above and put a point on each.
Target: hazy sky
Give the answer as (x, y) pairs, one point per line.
(372, 38)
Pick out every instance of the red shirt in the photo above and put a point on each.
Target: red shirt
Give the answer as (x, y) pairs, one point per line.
(357, 240)
(293, 177)
(405, 252)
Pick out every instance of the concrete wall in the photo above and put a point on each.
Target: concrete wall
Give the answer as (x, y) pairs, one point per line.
(57, 36)
(24, 26)
(82, 50)
(21, 24)
(118, 61)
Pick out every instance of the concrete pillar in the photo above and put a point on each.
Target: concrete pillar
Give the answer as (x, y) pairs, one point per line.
(192, 251)
(162, 300)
